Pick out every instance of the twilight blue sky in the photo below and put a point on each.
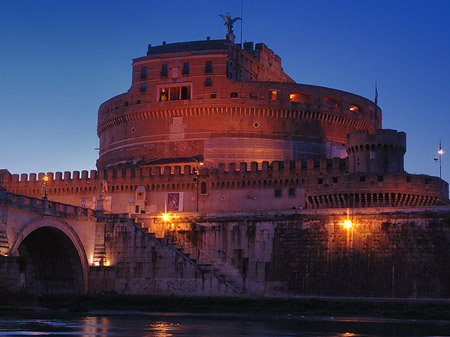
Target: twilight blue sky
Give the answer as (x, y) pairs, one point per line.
(59, 60)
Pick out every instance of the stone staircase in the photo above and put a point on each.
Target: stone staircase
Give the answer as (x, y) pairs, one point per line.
(202, 268)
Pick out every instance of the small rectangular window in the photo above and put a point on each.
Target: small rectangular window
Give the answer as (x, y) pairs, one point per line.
(273, 95)
(253, 95)
(143, 87)
(234, 95)
(186, 68)
(208, 67)
(164, 70)
(380, 178)
(408, 179)
(320, 181)
(136, 209)
(143, 73)
(208, 82)
(335, 180)
(213, 95)
(292, 192)
(362, 178)
(277, 194)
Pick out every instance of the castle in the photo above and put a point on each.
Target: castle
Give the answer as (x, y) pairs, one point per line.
(212, 130)
(209, 126)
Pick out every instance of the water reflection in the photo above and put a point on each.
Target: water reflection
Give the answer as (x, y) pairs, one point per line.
(181, 325)
(96, 325)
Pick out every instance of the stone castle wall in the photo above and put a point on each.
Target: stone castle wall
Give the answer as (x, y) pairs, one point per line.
(282, 185)
(395, 254)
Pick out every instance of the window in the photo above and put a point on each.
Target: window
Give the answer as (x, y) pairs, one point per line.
(253, 95)
(185, 92)
(380, 178)
(164, 70)
(234, 95)
(208, 82)
(362, 178)
(331, 102)
(335, 180)
(136, 209)
(138, 101)
(277, 193)
(213, 95)
(354, 108)
(300, 97)
(208, 67)
(292, 192)
(125, 104)
(273, 95)
(186, 68)
(320, 181)
(143, 87)
(174, 93)
(143, 73)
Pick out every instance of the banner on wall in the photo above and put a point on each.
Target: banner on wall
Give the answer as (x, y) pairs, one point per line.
(175, 202)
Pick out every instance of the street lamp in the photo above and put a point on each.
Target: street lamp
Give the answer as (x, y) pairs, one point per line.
(196, 178)
(44, 189)
(440, 153)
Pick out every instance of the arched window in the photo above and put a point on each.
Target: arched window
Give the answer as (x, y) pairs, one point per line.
(300, 97)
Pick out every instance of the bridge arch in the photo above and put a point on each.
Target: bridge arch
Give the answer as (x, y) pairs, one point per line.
(54, 257)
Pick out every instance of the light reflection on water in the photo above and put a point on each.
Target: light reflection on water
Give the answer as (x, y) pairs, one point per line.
(182, 325)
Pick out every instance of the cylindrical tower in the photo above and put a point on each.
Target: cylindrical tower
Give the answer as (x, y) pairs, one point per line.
(381, 152)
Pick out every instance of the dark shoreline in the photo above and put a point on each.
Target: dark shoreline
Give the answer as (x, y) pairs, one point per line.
(404, 309)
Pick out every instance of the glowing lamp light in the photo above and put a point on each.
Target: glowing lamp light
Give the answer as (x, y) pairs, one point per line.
(441, 151)
(166, 217)
(348, 224)
(45, 178)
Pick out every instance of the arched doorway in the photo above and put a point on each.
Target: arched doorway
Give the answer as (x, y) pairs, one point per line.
(53, 258)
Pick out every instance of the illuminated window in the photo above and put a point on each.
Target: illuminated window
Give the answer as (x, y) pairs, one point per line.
(355, 108)
(143, 72)
(163, 94)
(299, 97)
(208, 67)
(274, 95)
(174, 93)
(164, 70)
(186, 68)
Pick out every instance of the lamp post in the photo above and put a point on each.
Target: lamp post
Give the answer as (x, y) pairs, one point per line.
(440, 153)
(44, 189)
(196, 178)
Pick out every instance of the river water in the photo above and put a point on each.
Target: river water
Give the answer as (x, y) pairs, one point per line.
(176, 325)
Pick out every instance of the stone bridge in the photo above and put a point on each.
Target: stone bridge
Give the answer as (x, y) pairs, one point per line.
(48, 247)
(53, 244)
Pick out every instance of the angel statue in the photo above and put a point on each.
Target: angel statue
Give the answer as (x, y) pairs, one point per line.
(229, 22)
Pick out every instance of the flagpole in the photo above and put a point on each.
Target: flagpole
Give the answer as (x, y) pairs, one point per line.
(375, 117)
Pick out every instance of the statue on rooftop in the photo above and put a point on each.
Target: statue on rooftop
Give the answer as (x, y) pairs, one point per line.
(229, 22)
